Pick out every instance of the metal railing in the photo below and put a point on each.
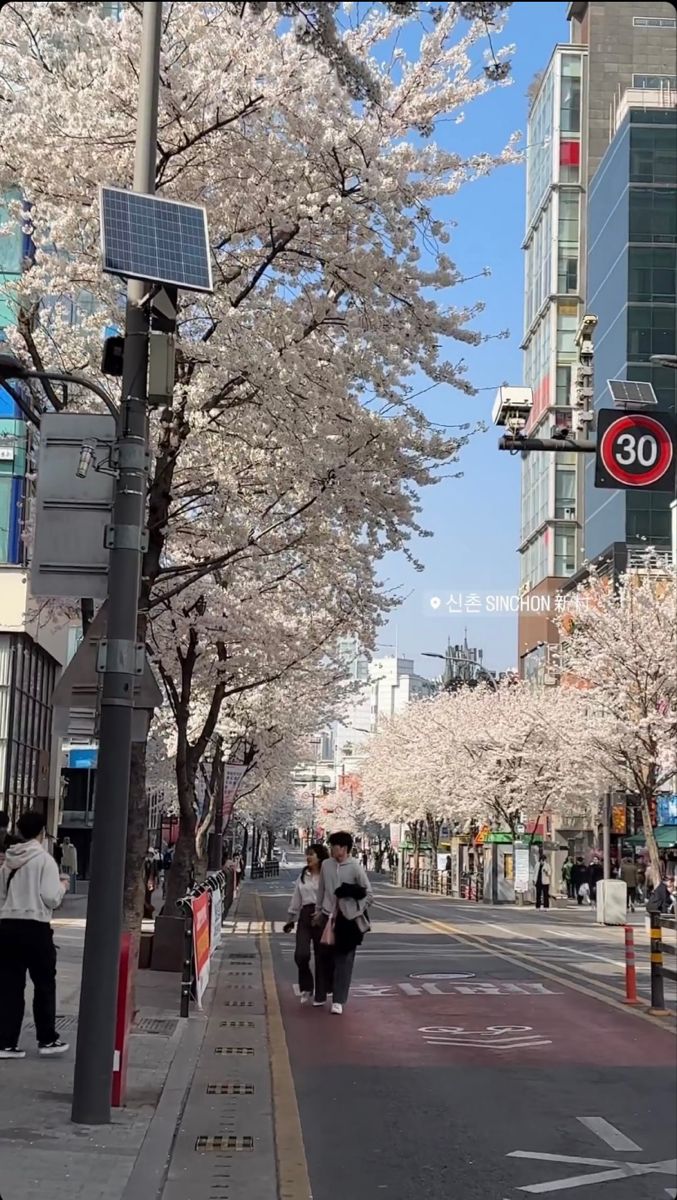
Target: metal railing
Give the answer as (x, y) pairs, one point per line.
(268, 870)
(438, 883)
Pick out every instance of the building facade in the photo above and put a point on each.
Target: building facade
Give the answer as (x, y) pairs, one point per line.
(575, 103)
(632, 272)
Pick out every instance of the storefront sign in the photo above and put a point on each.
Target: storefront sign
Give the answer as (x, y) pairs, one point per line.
(667, 810)
(232, 779)
(521, 864)
(201, 923)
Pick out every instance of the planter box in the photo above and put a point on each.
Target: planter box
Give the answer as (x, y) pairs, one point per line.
(168, 944)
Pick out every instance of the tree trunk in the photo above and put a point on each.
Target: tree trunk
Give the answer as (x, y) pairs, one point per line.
(137, 841)
(650, 838)
(181, 874)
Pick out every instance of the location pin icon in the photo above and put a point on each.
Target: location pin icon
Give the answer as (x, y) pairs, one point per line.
(435, 602)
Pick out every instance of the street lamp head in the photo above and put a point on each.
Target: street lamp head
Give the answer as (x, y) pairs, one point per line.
(664, 360)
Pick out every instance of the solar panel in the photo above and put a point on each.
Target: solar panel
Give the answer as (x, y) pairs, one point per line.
(630, 393)
(162, 241)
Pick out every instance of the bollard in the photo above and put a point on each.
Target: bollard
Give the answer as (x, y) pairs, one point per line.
(658, 1008)
(187, 971)
(630, 970)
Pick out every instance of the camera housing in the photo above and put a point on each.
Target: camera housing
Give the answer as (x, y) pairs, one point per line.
(512, 407)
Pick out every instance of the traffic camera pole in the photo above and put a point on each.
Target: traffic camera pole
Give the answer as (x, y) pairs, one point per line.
(123, 661)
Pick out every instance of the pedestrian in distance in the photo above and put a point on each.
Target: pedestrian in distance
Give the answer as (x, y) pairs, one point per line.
(343, 898)
(57, 852)
(629, 877)
(30, 890)
(580, 881)
(567, 881)
(308, 933)
(596, 874)
(542, 877)
(69, 862)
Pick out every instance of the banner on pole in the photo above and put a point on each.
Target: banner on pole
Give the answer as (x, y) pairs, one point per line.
(232, 778)
(217, 919)
(201, 930)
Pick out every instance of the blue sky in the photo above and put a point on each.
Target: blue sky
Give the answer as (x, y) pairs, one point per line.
(475, 520)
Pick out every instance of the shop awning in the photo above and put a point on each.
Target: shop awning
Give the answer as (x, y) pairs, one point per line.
(666, 837)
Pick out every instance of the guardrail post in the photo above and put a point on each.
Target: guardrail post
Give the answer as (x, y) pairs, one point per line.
(187, 967)
(630, 969)
(658, 1008)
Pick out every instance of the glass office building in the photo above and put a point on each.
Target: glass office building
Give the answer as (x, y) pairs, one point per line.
(632, 271)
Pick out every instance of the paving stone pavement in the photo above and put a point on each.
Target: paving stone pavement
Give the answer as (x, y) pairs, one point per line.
(225, 1144)
(42, 1154)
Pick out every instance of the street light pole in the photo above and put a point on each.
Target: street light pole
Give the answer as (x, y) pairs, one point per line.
(123, 663)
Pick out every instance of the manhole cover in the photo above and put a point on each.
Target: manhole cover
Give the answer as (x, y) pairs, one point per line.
(163, 1027)
(224, 1143)
(234, 1050)
(230, 1089)
(439, 976)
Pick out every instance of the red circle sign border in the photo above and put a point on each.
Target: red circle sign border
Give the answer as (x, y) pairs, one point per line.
(662, 437)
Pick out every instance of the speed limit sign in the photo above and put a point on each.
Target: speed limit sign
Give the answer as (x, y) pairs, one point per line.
(635, 450)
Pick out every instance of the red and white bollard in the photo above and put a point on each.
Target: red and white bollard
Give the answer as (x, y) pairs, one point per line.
(630, 971)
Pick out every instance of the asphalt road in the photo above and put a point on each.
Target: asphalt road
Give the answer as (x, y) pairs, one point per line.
(467, 1066)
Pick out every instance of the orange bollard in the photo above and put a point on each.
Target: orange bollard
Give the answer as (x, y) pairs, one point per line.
(630, 971)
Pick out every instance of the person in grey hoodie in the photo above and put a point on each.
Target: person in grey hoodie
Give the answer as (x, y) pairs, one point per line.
(30, 890)
(343, 897)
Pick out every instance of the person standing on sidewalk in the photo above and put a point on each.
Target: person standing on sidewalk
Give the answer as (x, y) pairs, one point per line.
(343, 897)
(567, 882)
(30, 890)
(69, 862)
(542, 877)
(629, 877)
(302, 911)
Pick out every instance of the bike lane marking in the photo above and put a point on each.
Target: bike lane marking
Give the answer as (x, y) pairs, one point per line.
(518, 958)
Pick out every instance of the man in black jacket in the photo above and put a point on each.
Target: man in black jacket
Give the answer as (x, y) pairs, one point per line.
(579, 876)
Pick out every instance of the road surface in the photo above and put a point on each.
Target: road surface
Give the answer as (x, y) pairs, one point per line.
(484, 1055)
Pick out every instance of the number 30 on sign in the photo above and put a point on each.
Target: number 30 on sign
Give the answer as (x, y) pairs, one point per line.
(635, 450)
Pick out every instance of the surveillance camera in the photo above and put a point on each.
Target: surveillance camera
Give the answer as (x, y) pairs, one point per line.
(87, 456)
(585, 329)
(512, 407)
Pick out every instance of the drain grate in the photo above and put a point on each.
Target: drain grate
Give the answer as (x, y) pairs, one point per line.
(237, 1024)
(62, 1024)
(240, 974)
(230, 1089)
(224, 1143)
(159, 1025)
(240, 987)
(238, 1003)
(240, 954)
(233, 1049)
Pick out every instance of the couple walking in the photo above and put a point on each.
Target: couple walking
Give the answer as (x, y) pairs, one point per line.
(330, 910)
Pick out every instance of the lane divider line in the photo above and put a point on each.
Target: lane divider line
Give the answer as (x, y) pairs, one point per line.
(518, 958)
(292, 1168)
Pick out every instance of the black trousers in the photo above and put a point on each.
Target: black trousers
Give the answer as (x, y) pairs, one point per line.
(27, 946)
(307, 940)
(543, 895)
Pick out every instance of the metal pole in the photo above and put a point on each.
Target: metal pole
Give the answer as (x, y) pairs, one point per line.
(658, 1008)
(98, 993)
(606, 836)
(630, 969)
(216, 844)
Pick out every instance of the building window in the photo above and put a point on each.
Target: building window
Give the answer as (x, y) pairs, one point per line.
(569, 161)
(653, 154)
(567, 274)
(567, 321)
(653, 215)
(565, 493)
(654, 22)
(653, 274)
(651, 330)
(565, 552)
(563, 385)
(654, 81)
(570, 102)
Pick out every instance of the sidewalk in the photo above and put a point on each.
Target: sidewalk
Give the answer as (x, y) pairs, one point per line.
(204, 1078)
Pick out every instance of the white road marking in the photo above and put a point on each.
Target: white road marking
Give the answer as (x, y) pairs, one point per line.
(608, 1133)
(616, 1170)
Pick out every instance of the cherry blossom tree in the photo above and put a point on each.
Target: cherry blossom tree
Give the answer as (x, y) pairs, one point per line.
(619, 661)
(291, 454)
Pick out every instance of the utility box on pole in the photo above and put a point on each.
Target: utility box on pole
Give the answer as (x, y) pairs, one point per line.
(73, 506)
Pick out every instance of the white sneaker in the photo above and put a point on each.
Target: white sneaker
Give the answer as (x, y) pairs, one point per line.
(52, 1048)
(306, 997)
(337, 1009)
(12, 1052)
(319, 1003)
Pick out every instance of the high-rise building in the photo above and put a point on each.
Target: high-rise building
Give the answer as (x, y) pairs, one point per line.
(575, 106)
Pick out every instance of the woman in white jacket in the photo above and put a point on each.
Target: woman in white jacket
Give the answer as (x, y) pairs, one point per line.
(301, 912)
